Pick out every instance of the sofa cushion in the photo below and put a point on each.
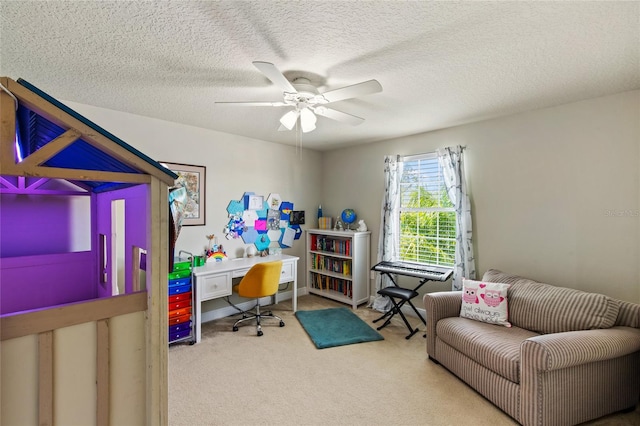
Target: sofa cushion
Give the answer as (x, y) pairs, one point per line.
(496, 348)
(485, 301)
(547, 309)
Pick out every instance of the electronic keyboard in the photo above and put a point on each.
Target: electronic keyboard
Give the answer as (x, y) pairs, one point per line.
(433, 273)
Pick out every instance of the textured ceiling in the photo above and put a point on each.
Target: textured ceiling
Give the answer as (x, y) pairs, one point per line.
(440, 63)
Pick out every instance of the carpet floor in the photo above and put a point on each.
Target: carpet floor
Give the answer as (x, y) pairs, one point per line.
(280, 378)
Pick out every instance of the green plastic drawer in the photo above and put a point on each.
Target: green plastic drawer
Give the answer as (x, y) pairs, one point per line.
(179, 274)
(181, 266)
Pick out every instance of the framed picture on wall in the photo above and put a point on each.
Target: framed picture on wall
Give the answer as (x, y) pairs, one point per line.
(193, 179)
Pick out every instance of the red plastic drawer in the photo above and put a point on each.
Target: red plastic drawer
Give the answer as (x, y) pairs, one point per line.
(179, 312)
(179, 297)
(179, 305)
(179, 320)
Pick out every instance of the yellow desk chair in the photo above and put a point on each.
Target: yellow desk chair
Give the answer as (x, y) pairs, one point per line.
(262, 280)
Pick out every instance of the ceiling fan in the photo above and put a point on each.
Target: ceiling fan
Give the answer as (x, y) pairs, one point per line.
(307, 102)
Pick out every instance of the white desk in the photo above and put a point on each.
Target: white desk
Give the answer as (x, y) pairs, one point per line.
(214, 280)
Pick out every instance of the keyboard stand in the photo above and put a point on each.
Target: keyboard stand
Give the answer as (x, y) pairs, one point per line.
(399, 296)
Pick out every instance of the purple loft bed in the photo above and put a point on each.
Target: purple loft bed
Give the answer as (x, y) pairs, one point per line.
(49, 227)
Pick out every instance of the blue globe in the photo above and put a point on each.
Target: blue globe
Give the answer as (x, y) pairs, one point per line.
(348, 216)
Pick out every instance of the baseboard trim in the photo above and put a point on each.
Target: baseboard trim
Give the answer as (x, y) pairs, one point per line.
(285, 295)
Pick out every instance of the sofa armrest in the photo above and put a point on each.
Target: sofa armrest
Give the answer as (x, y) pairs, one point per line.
(572, 377)
(555, 351)
(439, 305)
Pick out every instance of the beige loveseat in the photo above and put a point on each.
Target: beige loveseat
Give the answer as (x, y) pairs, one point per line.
(569, 357)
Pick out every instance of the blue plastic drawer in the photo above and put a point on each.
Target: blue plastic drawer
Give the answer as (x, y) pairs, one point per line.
(180, 327)
(180, 281)
(179, 289)
(179, 335)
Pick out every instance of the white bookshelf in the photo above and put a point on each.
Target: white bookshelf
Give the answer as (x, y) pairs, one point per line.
(338, 265)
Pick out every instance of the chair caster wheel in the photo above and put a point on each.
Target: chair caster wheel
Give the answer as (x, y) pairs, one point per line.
(281, 323)
(260, 333)
(235, 328)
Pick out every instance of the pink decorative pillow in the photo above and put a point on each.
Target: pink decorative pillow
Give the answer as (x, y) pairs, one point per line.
(485, 301)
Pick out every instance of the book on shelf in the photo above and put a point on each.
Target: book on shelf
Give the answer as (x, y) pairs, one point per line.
(334, 284)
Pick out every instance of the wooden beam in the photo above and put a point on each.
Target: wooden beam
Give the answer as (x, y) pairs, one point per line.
(45, 378)
(51, 149)
(103, 396)
(19, 325)
(89, 135)
(75, 174)
(157, 290)
(7, 127)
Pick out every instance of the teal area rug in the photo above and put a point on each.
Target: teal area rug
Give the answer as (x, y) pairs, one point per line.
(336, 327)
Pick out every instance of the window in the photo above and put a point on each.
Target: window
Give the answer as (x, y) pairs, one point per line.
(427, 217)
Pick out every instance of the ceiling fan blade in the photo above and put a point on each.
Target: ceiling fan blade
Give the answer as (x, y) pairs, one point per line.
(276, 77)
(333, 114)
(353, 91)
(255, 103)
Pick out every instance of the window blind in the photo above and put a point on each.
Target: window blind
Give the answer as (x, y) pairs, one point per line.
(427, 217)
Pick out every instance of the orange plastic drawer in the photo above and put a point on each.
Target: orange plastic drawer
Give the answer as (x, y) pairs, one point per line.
(180, 312)
(179, 320)
(179, 297)
(179, 305)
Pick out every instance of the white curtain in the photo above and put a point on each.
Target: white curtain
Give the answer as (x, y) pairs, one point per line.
(452, 162)
(389, 240)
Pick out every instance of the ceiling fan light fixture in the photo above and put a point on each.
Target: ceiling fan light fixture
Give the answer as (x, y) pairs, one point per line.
(289, 119)
(307, 120)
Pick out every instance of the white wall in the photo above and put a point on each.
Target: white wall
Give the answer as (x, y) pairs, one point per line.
(555, 192)
(234, 165)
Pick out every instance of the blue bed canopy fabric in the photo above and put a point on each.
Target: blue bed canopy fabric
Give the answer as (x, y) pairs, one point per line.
(35, 131)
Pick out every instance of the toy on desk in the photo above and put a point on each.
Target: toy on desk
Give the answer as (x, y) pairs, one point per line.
(214, 252)
(217, 256)
(209, 247)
